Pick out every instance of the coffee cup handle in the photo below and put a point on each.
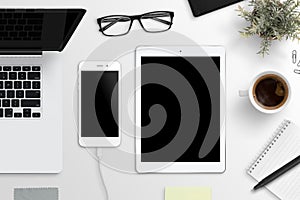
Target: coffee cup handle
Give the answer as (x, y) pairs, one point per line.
(243, 93)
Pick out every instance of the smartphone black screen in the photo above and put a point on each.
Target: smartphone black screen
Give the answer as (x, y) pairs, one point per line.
(99, 104)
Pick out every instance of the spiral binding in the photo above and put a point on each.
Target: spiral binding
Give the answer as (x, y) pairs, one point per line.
(277, 134)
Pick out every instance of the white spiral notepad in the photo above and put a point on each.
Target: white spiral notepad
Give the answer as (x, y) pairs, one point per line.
(282, 148)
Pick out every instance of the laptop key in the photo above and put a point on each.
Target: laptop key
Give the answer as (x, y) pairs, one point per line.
(32, 94)
(26, 84)
(12, 75)
(1, 84)
(22, 34)
(10, 94)
(12, 21)
(1, 112)
(34, 75)
(30, 103)
(18, 28)
(20, 94)
(36, 68)
(8, 112)
(35, 34)
(21, 21)
(35, 21)
(21, 75)
(26, 68)
(9, 28)
(33, 15)
(37, 28)
(36, 115)
(5, 103)
(3, 34)
(3, 75)
(7, 15)
(7, 68)
(2, 93)
(16, 68)
(35, 85)
(3, 21)
(17, 15)
(26, 112)
(15, 103)
(17, 115)
(28, 28)
(8, 84)
(17, 85)
(13, 34)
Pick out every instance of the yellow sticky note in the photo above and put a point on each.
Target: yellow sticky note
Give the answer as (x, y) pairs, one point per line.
(187, 193)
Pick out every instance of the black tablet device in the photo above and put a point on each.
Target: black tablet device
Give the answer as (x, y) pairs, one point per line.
(201, 7)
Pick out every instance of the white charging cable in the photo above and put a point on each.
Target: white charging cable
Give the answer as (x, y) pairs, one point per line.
(99, 155)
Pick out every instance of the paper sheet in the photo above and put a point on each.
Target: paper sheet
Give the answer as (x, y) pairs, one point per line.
(187, 193)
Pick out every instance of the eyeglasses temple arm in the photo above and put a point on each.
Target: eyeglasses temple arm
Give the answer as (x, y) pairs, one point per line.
(154, 17)
(112, 22)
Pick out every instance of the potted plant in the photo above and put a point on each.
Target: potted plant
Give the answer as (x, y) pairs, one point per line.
(271, 20)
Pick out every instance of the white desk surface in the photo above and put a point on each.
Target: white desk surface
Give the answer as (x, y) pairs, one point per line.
(247, 129)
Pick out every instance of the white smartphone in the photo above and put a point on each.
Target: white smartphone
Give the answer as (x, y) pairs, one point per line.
(99, 104)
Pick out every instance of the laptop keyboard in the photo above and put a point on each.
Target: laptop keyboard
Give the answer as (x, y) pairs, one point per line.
(20, 24)
(20, 91)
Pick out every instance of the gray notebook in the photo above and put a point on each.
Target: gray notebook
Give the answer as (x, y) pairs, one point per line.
(36, 194)
(283, 147)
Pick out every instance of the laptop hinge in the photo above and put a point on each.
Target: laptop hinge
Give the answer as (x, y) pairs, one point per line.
(21, 53)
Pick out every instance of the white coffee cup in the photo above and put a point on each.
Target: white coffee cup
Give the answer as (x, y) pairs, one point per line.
(251, 93)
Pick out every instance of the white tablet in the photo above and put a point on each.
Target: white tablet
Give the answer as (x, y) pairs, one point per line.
(180, 109)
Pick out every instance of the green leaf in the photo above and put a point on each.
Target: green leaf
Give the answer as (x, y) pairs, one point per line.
(271, 19)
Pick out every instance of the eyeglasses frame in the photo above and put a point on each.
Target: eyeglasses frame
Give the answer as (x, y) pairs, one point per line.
(132, 18)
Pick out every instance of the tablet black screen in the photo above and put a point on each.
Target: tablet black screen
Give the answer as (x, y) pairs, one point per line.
(180, 109)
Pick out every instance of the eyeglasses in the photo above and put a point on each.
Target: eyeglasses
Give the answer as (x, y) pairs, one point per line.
(153, 22)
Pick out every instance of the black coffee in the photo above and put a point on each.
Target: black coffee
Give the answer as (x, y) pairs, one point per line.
(270, 92)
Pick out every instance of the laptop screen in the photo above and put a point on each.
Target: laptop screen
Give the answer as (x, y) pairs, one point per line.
(37, 29)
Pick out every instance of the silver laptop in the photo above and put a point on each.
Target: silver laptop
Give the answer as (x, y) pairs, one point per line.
(31, 88)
